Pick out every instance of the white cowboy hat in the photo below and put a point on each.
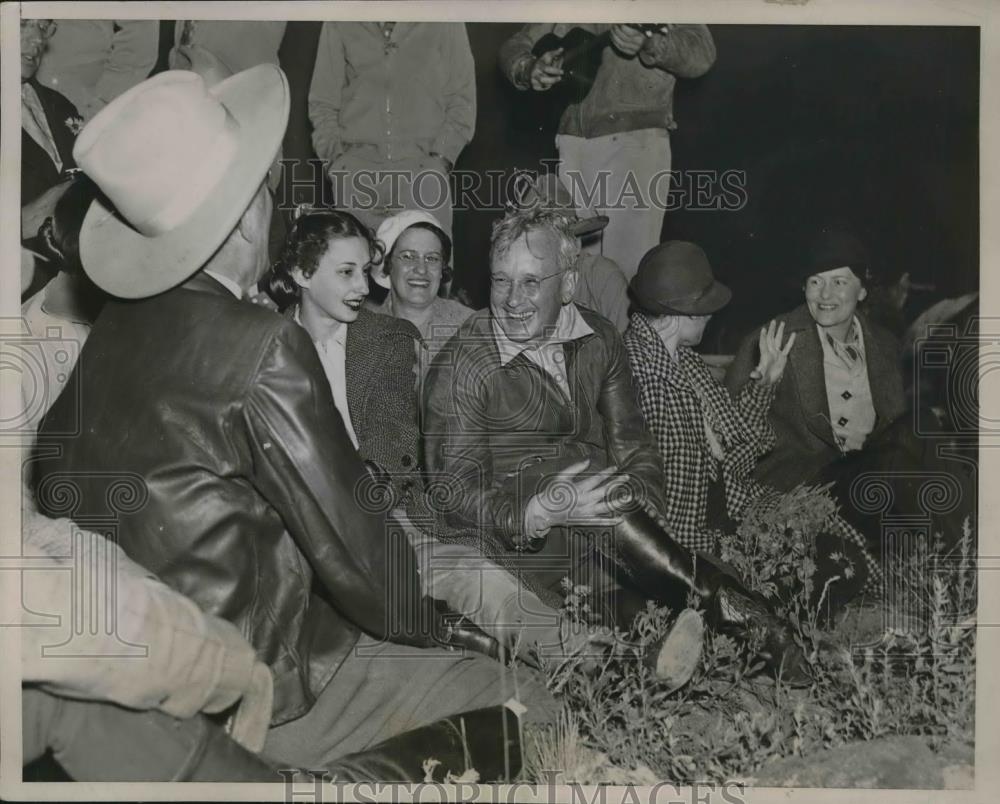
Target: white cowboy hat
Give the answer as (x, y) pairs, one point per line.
(180, 162)
(389, 231)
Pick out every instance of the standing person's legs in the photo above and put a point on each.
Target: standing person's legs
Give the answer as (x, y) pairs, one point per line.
(383, 689)
(576, 174)
(626, 176)
(633, 160)
(372, 187)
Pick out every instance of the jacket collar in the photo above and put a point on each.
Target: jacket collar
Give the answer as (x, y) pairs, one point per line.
(397, 30)
(203, 282)
(570, 326)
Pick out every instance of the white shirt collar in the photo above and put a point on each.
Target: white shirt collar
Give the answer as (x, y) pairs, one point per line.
(855, 337)
(339, 336)
(227, 283)
(569, 327)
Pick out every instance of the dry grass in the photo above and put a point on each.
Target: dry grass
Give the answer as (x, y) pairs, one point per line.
(869, 681)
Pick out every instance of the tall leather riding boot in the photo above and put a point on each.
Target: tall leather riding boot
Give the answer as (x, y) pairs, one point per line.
(659, 565)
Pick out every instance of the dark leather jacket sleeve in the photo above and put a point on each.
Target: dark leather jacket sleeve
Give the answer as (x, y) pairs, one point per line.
(630, 443)
(307, 468)
(466, 406)
(458, 451)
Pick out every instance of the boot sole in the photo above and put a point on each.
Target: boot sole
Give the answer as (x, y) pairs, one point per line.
(680, 651)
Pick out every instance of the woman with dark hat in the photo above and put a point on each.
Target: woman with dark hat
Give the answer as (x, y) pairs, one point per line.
(845, 386)
(709, 441)
(840, 414)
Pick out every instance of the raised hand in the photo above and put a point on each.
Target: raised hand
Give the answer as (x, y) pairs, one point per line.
(546, 71)
(773, 356)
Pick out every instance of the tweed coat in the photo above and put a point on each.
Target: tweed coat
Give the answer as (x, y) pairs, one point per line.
(382, 398)
(800, 413)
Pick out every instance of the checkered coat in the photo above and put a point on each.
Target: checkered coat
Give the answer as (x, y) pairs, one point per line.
(677, 400)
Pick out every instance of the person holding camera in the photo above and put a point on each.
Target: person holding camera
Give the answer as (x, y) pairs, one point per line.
(616, 140)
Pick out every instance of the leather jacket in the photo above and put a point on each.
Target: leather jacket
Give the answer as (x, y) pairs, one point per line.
(202, 431)
(488, 427)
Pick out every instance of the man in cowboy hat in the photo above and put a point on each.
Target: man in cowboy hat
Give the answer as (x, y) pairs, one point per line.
(600, 285)
(614, 142)
(250, 487)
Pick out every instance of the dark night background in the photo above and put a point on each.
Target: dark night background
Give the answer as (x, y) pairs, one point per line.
(875, 126)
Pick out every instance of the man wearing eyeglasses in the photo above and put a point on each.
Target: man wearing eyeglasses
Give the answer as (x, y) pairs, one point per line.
(530, 413)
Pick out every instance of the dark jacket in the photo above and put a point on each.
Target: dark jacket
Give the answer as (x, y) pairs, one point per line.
(202, 430)
(485, 424)
(627, 95)
(800, 413)
(38, 171)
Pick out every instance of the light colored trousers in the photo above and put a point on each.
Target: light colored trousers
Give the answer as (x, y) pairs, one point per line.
(484, 592)
(383, 689)
(630, 167)
(372, 188)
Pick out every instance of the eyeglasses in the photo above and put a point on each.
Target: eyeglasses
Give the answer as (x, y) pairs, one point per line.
(42, 27)
(409, 259)
(531, 286)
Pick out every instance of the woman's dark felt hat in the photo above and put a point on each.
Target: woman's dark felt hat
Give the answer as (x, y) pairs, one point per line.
(830, 247)
(675, 278)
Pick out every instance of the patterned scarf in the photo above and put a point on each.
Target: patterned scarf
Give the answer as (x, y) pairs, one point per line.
(849, 351)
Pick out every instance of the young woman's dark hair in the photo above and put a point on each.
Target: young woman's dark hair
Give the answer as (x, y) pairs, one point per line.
(305, 246)
(59, 240)
(443, 239)
(60, 234)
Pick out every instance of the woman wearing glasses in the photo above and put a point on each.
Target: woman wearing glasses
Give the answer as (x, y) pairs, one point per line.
(415, 268)
(321, 281)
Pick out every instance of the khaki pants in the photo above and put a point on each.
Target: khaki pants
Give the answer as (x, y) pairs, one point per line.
(484, 592)
(383, 689)
(621, 166)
